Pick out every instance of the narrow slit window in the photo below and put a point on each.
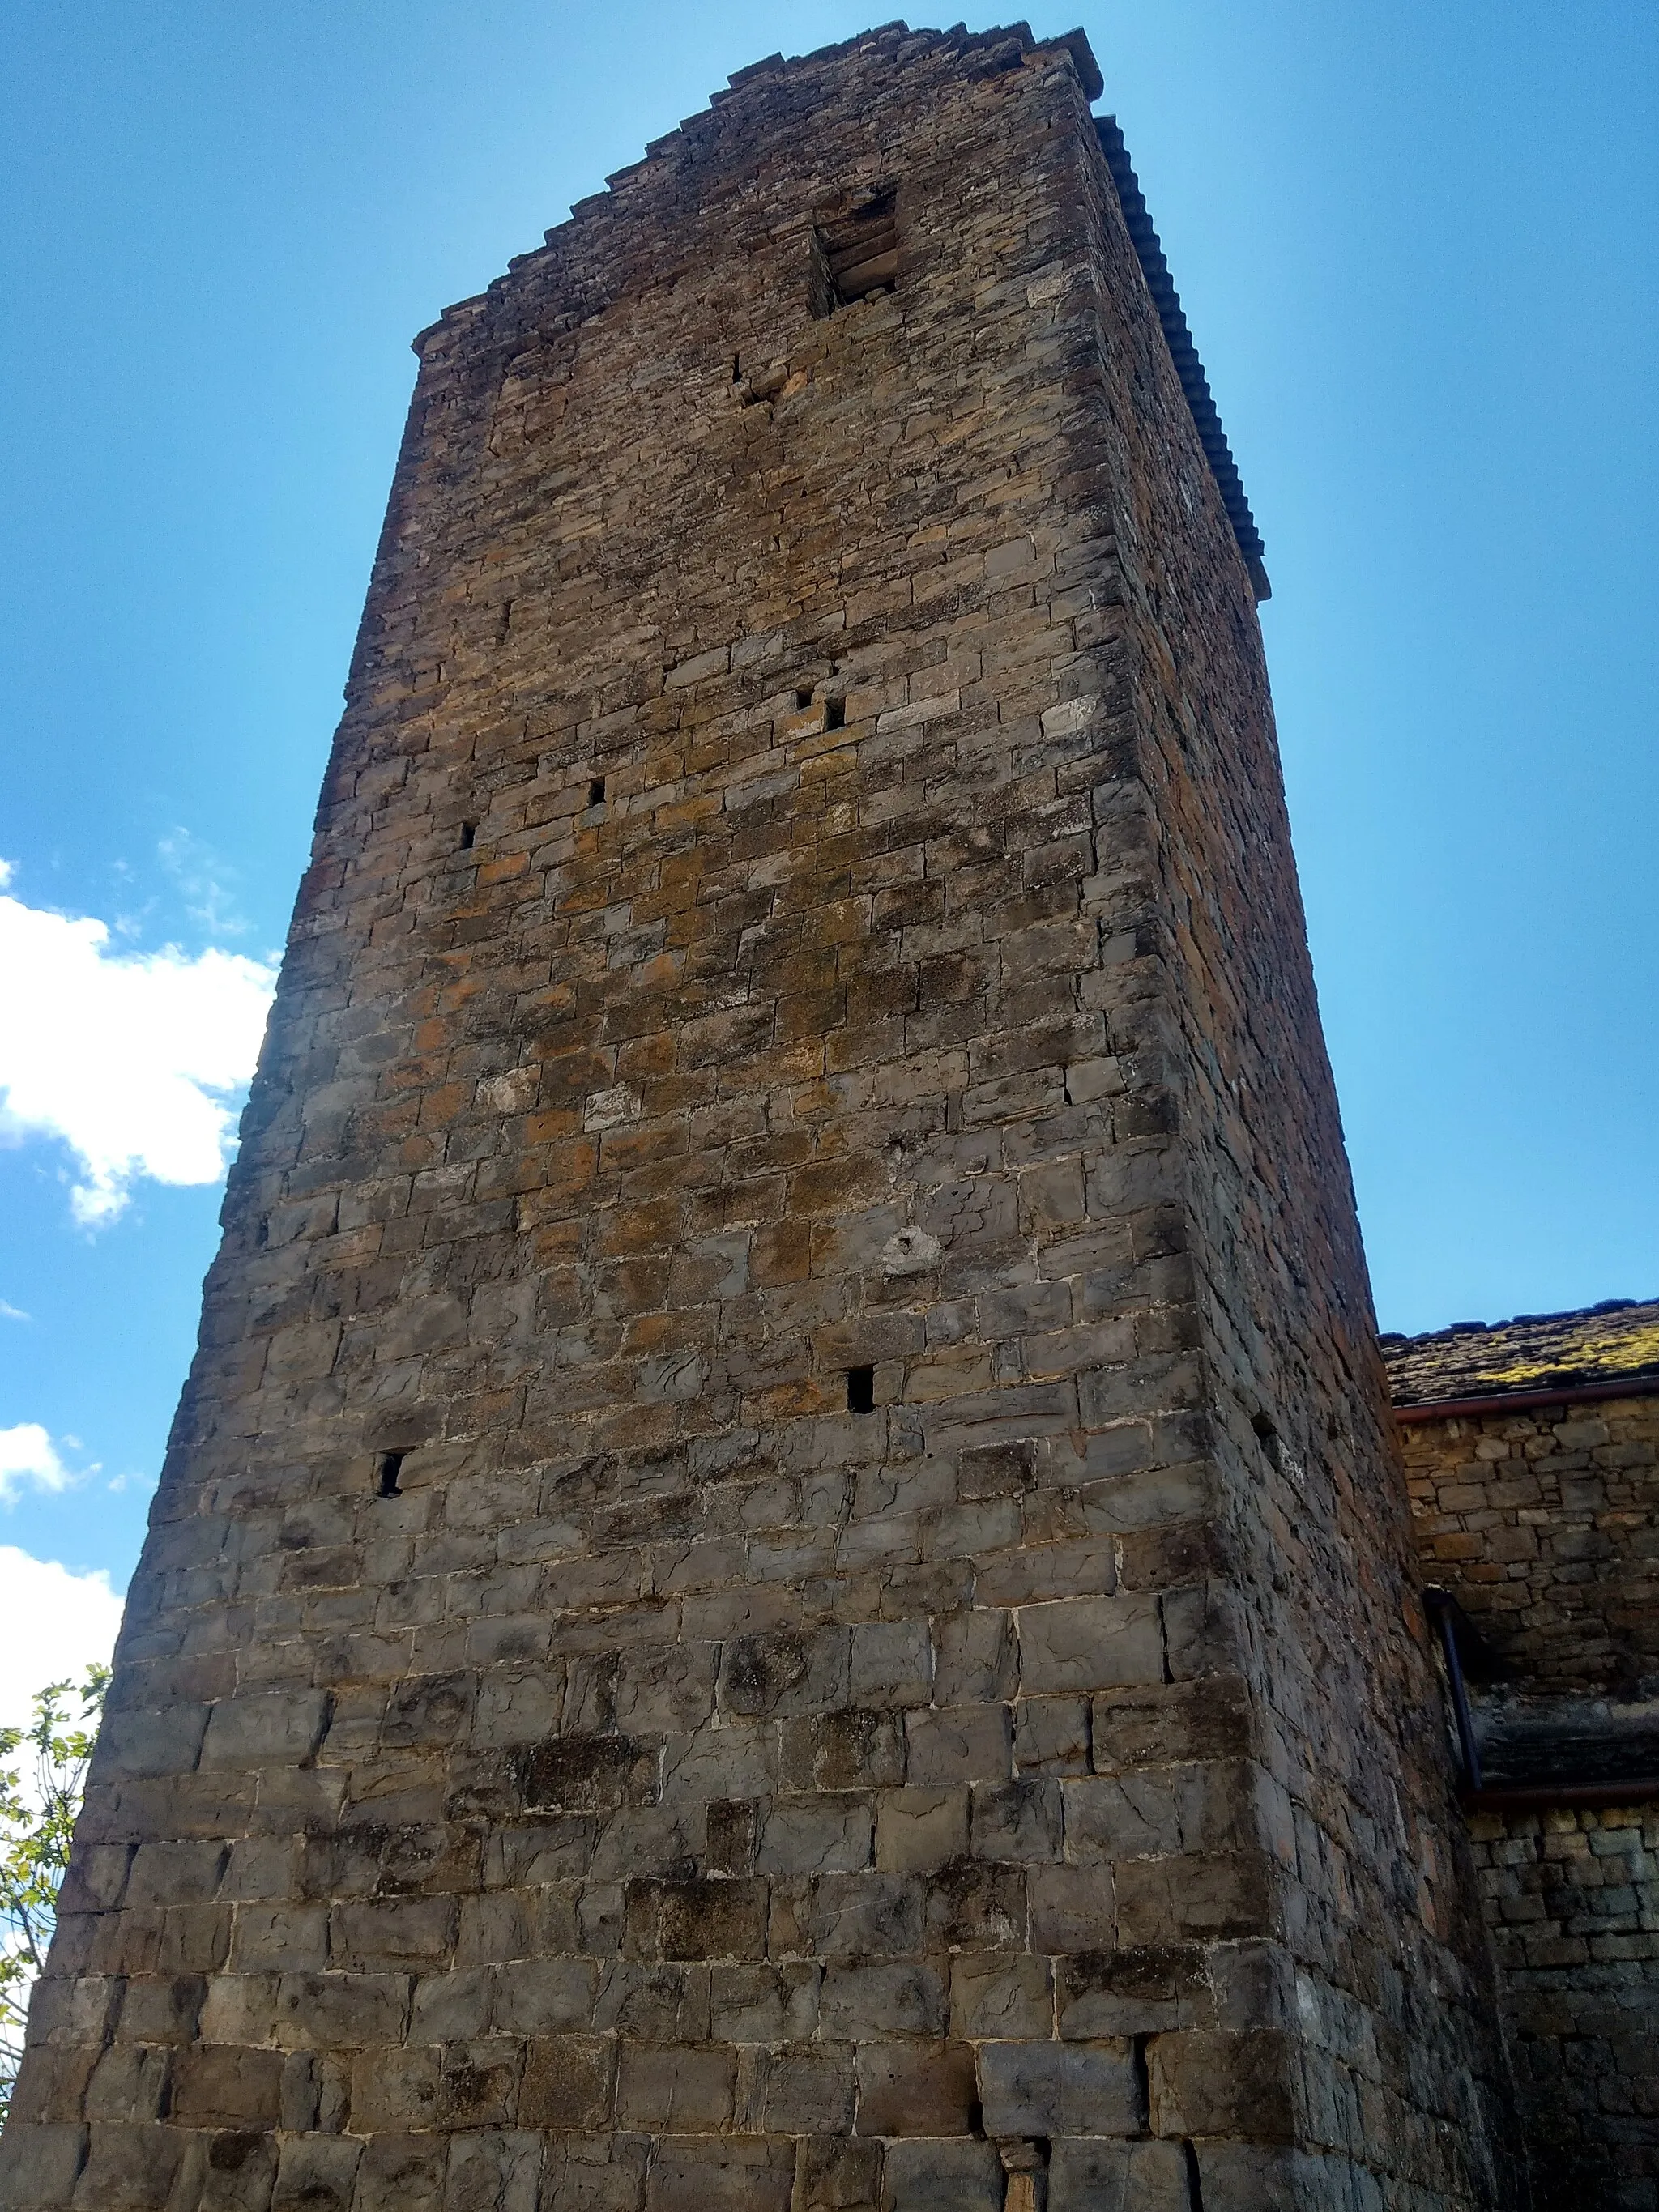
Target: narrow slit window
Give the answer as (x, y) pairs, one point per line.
(387, 1469)
(856, 255)
(861, 1389)
(803, 696)
(469, 831)
(596, 791)
(835, 713)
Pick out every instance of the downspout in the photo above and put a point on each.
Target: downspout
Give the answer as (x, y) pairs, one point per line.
(1443, 1607)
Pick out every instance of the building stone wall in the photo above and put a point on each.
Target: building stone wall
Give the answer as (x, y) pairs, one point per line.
(1571, 1897)
(802, 914)
(1543, 1520)
(1540, 1518)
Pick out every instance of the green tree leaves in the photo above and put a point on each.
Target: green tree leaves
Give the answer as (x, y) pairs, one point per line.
(38, 1810)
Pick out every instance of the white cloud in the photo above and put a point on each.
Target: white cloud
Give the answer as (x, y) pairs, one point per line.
(28, 1454)
(12, 1313)
(135, 1061)
(53, 1626)
(202, 878)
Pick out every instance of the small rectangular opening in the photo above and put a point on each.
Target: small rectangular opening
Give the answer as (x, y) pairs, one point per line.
(388, 1468)
(855, 255)
(861, 1389)
(596, 791)
(1267, 1437)
(835, 713)
(803, 696)
(469, 831)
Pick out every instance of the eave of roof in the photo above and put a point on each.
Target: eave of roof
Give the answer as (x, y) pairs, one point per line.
(1606, 1350)
(1189, 367)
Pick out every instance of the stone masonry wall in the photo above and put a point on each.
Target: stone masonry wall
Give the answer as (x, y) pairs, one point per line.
(1572, 1901)
(1544, 1520)
(1377, 1898)
(801, 918)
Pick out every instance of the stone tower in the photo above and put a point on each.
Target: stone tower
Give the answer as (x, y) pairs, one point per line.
(782, 1581)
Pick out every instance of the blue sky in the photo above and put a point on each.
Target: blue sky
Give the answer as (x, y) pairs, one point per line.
(1416, 246)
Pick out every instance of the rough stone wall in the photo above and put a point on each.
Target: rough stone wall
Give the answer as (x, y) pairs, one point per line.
(1318, 1608)
(1572, 1901)
(1544, 1521)
(801, 887)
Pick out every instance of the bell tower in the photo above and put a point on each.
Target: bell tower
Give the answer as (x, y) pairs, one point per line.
(782, 1582)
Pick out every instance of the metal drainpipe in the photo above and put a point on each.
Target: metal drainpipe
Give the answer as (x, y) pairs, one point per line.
(1443, 1607)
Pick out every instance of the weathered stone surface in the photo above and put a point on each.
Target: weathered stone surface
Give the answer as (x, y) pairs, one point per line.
(1539, 1515)
(721, 1632)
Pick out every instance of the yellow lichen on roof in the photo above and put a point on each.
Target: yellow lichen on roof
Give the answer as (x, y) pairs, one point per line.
(1592, 1345)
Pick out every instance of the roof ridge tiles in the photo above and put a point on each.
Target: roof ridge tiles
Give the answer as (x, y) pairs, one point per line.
(1182, 351)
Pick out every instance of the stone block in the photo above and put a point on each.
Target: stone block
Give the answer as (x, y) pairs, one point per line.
(919, 1829)
(1090, 1643)
(1049, 2088)
(1018, 1821)
(587, 1774)
(1001, 1994)
(496, 2170)
(280, 1938)
(316, 2174)
(1191, 1898)
(238, 2173)
(1204, 2082)
(764, 2003)
(1094, 2176)
(921, 2088)
(942, 2177)
(1073, 1909)
(958, 1744)
(220, 2087)
(977, 1658)
(139, 1744)
(785, 1673)
(865, 1916)
(834, 2174)
(865, 2003)
(334, 2011)
(972, 1906)
(669, 2089)
(892, 1663)
(175, 1873)
(803, 2089)
(395, 2090)
(720, 2173)
(256, 1731)
(399, 2173)
(542, 1996)
(452, 2008)
(406, 1933)
(1052, 1735)
(566, 2082)
(1161, 1724)
(1134, 1992)
(593, 2173)
(41, 2167)
(129, 2082)
(711, 1919)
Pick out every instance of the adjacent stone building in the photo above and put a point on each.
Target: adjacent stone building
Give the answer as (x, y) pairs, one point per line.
(783, 1582)
(1532, 1452)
